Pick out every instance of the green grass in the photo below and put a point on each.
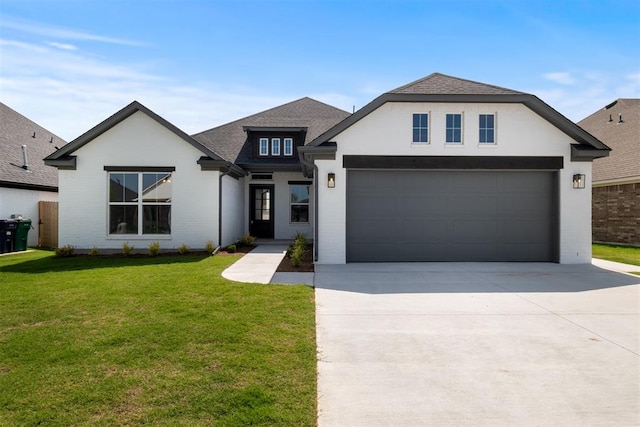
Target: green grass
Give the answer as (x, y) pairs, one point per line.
(622, 254)
(157, 341)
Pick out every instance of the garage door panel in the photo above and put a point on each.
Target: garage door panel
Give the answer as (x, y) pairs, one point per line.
(450, 216)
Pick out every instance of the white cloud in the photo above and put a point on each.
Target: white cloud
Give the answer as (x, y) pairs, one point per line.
(63, 46)
(563, 78)
(62, 33)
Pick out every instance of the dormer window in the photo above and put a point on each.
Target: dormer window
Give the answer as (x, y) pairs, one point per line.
(288, 146)
(264, 146)
(275, 146)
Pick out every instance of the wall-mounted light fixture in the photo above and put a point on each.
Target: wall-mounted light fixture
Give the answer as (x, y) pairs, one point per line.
(331, 180)
(579, 180)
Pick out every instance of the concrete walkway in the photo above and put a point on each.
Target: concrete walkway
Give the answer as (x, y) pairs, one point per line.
(260, 265)
(615, 266)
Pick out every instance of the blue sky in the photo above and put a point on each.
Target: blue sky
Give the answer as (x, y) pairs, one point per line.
(70, 64)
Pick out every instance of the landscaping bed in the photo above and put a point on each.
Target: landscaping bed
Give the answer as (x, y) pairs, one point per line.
(306, 263)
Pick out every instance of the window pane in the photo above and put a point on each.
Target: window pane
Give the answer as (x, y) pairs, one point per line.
(157, 187)
(156, 219)
(299, 213)
(457, 135)
(123, 220)
(489, 135)
(483, 120)
(490, 120)
(416, 120)
(123, 187)
(275, 146)
(483, 135)
(299, 194)
(457, 118)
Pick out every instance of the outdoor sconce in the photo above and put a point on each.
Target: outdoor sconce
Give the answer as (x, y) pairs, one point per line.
(578, 180)
(331, 180)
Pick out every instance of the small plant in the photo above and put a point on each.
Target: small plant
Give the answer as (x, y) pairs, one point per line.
(65, 251)
(154, 248)
(247, 240)
(231, 249)
(127, 249)
(183, 249)
(210, 247)
(94, 251)
(296, 255)
(300, 240)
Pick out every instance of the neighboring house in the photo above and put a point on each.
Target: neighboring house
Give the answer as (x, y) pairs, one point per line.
(24, 178)
(442, 169)
(616, 179)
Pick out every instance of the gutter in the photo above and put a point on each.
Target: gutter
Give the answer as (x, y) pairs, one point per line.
(307, 166)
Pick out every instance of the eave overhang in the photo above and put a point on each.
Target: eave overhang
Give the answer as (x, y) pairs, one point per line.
(228, 168)
(586, 153)
(274, 128)
(308, 154)
(63, 162)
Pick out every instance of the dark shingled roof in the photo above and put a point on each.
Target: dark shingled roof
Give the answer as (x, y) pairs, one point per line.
(441, 84)
(15, 131)
(623, 139)
(229, 140)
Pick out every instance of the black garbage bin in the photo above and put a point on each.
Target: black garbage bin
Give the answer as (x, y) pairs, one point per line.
(22, 234)
(8, 229)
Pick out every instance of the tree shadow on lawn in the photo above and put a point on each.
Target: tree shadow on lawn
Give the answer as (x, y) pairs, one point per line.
(75, 263)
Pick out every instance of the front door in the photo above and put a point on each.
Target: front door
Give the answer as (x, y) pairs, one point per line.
(261, 215)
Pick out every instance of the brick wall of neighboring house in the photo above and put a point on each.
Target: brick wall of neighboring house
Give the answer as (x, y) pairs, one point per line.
(616, 214)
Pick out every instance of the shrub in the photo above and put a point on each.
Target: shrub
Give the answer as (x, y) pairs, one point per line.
(247, 240)
(300, 240)
(65, 251)
(296, 255)
(210, 246)
(183, 249)
(154, 248)
(127, 249)
(231, 249)
(94, 251)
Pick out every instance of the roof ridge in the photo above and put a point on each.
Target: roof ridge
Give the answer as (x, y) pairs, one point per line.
(459, 79)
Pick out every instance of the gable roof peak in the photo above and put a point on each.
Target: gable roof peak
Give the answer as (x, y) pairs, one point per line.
(442, 84)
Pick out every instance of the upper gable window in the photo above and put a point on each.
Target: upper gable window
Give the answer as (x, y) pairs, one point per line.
(487, 129)
(288, 146)
(454, 128)
(275, 146)
(264, 146)
(420, 128)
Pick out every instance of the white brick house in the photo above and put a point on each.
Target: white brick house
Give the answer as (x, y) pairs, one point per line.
(441, 169)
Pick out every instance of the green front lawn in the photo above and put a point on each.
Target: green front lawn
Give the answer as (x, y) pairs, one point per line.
(622, 254)
(165, 340)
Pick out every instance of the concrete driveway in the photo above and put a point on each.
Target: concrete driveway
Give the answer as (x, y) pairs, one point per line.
(477, 344)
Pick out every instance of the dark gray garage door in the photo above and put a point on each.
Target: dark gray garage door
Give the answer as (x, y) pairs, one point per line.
(395, 216)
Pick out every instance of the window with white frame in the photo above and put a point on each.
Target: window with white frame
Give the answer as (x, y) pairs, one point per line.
(454, 128)
(299, 202)
(420, 128)
(487, 128)
(288, 146)
(264, 146)
(275, 146)
(139, 203)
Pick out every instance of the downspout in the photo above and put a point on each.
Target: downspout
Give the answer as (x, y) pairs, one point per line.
(222, 175)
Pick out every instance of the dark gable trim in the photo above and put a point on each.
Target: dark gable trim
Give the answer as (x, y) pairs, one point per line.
(582, 153)
(66, 162)
(228, 168)
(271, 167)
(532, 102)
(452, 162)
(34, 187)
(300, 182)
(273, 129)
(114, 120)
(140, 168)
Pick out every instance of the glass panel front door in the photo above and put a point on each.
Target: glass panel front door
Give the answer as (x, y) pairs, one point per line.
(261, 221)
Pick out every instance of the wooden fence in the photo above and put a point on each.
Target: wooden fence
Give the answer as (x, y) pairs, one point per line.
(48, 224)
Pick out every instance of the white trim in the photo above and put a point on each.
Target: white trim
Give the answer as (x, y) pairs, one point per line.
(275, 143)
(260, 141)
(461, 114)
(428, 141)
(290, 152)
(495, 130)
(617, 181)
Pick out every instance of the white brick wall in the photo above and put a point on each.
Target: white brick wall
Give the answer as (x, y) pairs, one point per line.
(233, 210)
(519, 132)
(137, 141)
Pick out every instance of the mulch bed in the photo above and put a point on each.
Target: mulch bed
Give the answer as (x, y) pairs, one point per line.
(306, 264)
